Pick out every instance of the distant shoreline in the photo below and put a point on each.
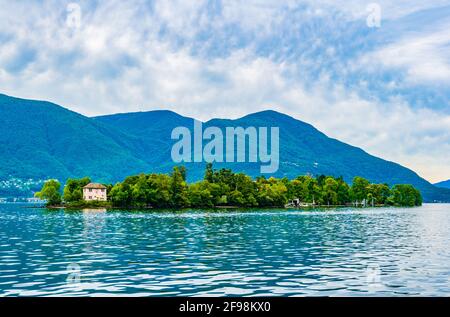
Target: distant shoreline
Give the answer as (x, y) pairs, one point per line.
(217, 208)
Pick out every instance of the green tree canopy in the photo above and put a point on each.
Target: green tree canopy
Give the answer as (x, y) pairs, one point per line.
(73, 191)
(225, 188)
(50, 192)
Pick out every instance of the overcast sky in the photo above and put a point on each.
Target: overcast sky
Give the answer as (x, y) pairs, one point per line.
(385, 89)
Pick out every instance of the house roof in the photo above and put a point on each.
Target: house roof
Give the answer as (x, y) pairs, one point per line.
(95, 186)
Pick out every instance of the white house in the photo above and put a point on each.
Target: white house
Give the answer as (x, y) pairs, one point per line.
(94, 191)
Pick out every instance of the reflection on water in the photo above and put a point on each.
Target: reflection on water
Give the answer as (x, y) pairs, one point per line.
(276, 253)
(88, 211)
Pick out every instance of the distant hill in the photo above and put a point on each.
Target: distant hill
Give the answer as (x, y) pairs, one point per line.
(41, 140)
(444, 184)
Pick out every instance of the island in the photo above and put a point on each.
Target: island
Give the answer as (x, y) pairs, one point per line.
(225, 189)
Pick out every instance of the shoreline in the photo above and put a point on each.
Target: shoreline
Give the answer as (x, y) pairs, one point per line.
(217, 208)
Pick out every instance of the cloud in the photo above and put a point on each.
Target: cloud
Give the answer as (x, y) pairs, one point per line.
(425, 58)
(316, 61)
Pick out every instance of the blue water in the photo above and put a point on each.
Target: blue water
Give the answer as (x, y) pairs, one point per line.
(344, 252)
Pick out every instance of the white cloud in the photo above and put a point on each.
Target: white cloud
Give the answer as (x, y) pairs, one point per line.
(389, 9)
(124, 58)
(424, 57)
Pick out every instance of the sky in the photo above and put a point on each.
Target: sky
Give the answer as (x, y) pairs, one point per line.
(372, 74)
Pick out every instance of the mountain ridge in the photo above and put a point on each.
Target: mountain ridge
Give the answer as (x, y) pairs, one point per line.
(110, 147)
(443, 184)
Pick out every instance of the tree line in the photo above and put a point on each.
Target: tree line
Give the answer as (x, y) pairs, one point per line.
(222, 188)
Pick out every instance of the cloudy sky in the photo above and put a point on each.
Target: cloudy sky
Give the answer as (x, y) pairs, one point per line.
(385, 89)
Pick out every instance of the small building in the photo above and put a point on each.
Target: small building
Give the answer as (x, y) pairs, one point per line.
(94, 192)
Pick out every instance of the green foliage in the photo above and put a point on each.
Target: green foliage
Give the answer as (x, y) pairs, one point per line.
(405, 195)
(359, 189)
(271, 193)
(343, 192)
(228, 189)
(179, 188)
(73, 191)
(153, 190)
(50, 192)
(379, 193)
(330, 191)
(199, 195)
(225, 188)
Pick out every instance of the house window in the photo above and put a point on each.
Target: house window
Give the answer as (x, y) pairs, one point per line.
(90, 190)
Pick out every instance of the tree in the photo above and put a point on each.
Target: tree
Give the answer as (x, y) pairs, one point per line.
(225, 188)
(343, 192)
(379, 193)
(140, 192)
(330, 189)
(236, 198)
(73, 191)
(311, 189)
(405, 195)
(271, 193)
(119, 195)
(199, 195)
(179, 188)
(247, 188)
(159, 194)
(359, 189)
(50, 192)
(209, 173)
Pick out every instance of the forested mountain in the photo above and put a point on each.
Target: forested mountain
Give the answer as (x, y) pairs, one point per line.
(41, 140)
(444, 184)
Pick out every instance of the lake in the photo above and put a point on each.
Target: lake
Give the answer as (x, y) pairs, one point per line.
(337, 252)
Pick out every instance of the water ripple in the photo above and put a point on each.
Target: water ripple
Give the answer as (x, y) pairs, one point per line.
(342, 252)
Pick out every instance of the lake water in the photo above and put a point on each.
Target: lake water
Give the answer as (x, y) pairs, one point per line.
(342, 252)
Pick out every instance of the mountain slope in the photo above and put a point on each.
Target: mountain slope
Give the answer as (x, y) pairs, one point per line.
(41, 140)
(444, 184)
(303, 149)
(153, 129)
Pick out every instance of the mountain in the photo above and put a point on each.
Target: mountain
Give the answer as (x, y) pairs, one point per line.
(444, 184)
(303, 149)
(154, 130)
(41, 140)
